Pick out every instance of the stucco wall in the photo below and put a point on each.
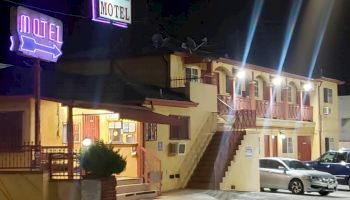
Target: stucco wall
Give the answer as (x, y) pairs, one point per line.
(330, 123)
(344, 116)
(20, 104)
(199, 115)
(243, 174)
(64, 190)
(29, 186)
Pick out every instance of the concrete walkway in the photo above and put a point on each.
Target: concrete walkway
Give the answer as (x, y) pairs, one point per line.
(188, 194)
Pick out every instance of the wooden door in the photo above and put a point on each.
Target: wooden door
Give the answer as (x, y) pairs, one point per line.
(91, 127)
(304, 148)
(275, 146)
(267, 145)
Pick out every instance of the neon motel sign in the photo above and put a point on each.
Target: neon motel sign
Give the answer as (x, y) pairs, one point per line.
(116, 12)
(36, 35)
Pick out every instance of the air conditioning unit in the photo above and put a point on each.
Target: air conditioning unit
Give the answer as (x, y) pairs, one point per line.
(326, 110)
(173, 149)
(182, 148)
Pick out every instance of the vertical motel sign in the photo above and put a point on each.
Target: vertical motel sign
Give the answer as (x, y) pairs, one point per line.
(116, 12)
(36, 35)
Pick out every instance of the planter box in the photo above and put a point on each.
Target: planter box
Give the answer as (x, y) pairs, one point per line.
(99, 189)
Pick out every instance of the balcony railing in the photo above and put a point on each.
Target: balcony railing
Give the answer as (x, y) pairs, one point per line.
(277, 110)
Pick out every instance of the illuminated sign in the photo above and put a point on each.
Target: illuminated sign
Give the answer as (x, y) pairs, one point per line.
(35, 34)
(116, 12)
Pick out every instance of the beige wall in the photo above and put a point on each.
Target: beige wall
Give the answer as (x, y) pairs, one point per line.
(330, 123)
(29, 186)
(198, 117)
(20, 104)
(243, 174)
(64, 190)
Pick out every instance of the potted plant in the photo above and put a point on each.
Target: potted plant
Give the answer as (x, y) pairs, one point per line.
(100, 161)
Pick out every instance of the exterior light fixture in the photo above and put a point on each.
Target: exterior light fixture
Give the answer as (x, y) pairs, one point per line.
(240, 74)
(307, 86)
(277, 81)
(283, 136)
(87, 142)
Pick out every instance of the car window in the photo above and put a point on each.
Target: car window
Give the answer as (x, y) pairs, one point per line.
(328, 157)
(273, 164)
(263, 163)
(340, 157)
(296, 165)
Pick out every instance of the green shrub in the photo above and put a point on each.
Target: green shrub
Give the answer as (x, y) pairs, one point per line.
(99, 161)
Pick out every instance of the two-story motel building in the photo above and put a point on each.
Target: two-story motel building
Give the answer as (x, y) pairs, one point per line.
(185, 113)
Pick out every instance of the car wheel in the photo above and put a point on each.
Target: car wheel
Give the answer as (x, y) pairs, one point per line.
(273, 189)
(296, 186)
(323, 193)
(262, 190)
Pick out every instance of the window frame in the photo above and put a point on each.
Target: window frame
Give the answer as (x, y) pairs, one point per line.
(150, 131)
(327, 95)
(191, 76)
(287, 145)
(181, 132)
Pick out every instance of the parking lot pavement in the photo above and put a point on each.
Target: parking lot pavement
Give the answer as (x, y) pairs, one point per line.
(342, 193)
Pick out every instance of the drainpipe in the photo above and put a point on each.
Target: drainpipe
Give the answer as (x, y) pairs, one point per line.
(320, 116)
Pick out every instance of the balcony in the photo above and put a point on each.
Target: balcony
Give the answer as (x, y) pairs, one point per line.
(277, 110)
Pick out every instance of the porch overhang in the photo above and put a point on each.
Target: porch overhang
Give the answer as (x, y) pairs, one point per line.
(137, 113)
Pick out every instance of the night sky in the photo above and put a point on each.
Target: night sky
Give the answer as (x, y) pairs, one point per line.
(224, 23)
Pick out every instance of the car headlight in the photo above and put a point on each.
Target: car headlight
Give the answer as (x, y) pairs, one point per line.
(315, 178)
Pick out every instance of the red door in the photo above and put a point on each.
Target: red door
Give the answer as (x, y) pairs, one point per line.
(274, 146)
(304, 148)
(91, 127)
(267, 145)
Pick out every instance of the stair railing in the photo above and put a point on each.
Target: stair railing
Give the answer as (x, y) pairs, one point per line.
(193, 156)
(152, 172)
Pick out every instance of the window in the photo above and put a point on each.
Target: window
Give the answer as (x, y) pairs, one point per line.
(256, 86)
(192, 74)
(289, 94)
(228, 84)
(341, 157)
(327, 95)
(273, 164)
(329, 143)
(180, 132)
(263, 163)
(150, 131)
(287, 145)
(76, 133)
(11, 129)
(115, 131)
(328, 157)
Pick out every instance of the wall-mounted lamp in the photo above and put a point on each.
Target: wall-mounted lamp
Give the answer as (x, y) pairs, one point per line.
(277, 81)
(87, 142)
(283, 136)
(240, 74)
(307, 86)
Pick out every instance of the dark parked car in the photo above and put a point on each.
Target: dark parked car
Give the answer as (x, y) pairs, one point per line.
(336, 163)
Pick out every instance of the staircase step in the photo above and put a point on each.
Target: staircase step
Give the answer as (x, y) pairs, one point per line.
(128, 181)
(132, 188)
(137, 195)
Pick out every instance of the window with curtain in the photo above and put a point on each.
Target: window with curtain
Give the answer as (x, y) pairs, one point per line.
(329, 143)
(228, 84)
(256, 86)
(327, 95)
(289, 94)
(192, 74)
(150, 131)
(287, 145)
(180, 132)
